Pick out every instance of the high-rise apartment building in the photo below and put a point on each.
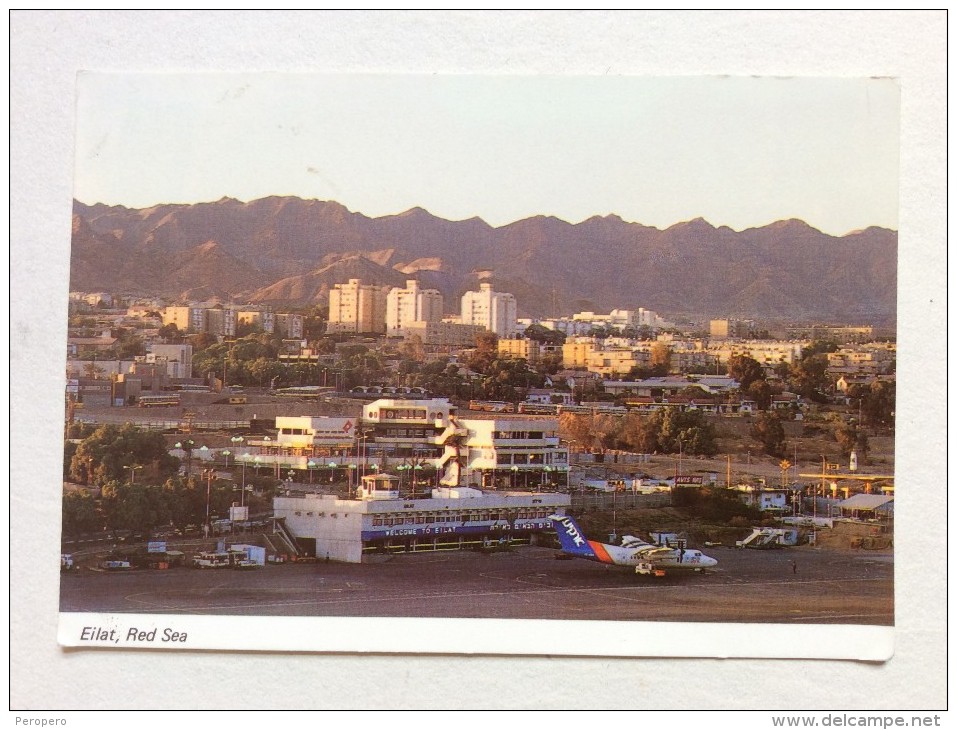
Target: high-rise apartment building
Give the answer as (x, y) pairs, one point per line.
(355, 307)
(412, 304)
(495, 311)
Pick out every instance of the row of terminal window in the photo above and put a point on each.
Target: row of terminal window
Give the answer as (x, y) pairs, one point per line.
(455, 517)
(523, 435)
(528, 458)
(404, 414)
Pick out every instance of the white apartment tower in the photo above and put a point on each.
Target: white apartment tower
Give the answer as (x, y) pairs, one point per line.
(355, 307)
(493, 310)
(409, 305)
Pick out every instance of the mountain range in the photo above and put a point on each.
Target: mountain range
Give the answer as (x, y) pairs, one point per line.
(287, 251)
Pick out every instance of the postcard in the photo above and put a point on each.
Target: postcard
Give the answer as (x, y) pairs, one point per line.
(585, 366)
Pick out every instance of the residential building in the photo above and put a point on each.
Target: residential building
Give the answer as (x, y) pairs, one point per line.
(258, 318)
(495, 311)
(221, 321)
(765, 499)
(732, 328)
(611, 362)
(524, 349)
(411, 305)
(766, 352)
(87, 347)
(549, 396)
(289, 325)
(177, 358)
(444, 334)
(575, 352)
(357, 307)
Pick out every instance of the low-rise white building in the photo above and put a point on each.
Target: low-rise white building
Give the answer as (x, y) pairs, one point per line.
(381, 523)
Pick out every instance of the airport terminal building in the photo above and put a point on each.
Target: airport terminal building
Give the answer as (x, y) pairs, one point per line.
(381, 522)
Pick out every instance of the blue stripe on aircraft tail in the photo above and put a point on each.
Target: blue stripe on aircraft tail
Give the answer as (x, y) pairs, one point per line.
(571, 537)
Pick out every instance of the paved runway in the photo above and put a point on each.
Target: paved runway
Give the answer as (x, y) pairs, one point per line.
(746, 586)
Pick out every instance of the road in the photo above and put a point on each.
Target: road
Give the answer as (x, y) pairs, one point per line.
(746, 586)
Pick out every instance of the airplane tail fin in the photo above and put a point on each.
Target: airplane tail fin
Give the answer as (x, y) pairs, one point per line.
(571, 537)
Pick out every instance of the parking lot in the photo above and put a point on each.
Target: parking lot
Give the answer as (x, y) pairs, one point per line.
(854, 587)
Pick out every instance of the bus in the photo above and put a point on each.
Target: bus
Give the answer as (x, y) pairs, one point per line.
(305, 391)
(491, 406)
(155, 401)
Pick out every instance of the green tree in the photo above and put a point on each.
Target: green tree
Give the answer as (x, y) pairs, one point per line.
(745, 370)
(661, 358)
(202, 341)
(507, 379)
(137, 507)
(876, 401)
(819, 347)
(544, 335)
(129, 344)
(486, 351)
(850, 437)
(713, 504)
(92, 370)
(695, 392)
(413, 349)
(170, 333)
(809, 378)
(760, 392)
(769, 431)
(593, 432)
(636, 434)
(685, 431)
(105, 455)
(80, 514)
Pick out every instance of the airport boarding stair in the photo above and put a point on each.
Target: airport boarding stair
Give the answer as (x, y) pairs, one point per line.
(282, 541)
(763, 538)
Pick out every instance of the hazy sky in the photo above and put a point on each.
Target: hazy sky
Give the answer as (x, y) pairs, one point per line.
(737, 151)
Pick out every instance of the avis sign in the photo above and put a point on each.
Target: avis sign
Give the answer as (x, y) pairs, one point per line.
(689, 481)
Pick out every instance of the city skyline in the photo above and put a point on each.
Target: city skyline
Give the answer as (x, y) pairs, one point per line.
(736, 151)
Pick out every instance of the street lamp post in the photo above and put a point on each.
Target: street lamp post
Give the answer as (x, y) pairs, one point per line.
(245, 458)
(402, 469)
(237, 442)
(133, 472)
(680, 455)
(310, 465)
(187, 447)
(209, 474)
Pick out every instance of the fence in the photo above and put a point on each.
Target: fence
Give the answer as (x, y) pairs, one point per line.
(148, 424)
(619, 500)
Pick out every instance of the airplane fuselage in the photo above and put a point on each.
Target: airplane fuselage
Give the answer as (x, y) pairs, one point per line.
(661, 557)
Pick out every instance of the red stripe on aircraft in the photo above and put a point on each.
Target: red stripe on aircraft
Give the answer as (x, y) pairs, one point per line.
(600, 552)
